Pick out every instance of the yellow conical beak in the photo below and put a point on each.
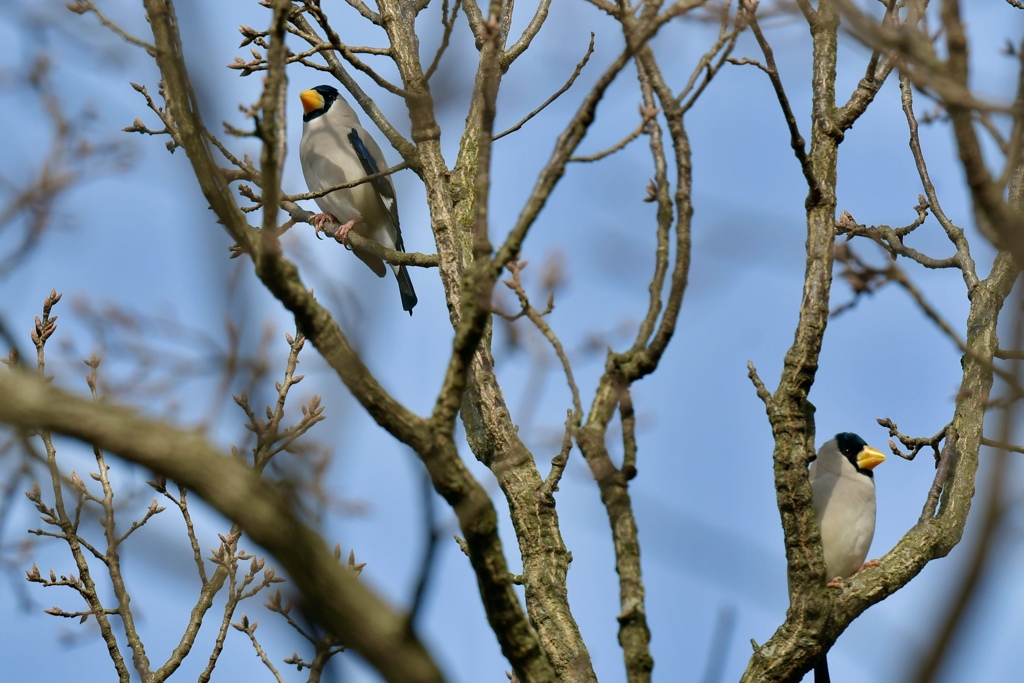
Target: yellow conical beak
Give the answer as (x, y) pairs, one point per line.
(869, 458)
(311, 100)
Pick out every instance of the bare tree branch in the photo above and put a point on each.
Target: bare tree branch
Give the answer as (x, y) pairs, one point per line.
(353, 613)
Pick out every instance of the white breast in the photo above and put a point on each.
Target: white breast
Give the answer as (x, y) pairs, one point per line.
(844, 504)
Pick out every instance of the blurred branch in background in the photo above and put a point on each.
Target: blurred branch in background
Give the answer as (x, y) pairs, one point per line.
(33, 193)
(36, 189)
(994, 534)
(31, 197)
(67, 507)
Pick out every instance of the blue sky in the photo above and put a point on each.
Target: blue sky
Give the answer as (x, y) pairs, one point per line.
(704, 500)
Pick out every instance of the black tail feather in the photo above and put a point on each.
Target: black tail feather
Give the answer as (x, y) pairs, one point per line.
(405, 289)
(821, 674)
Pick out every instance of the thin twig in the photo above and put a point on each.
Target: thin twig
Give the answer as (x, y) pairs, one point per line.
(529, 33)
(537, 318)
(759, 387)
(87, 6)
(448, 22)
(1002, 445)
(796, 140)
(559, 462)
(432, 536)
(568, 84)
(348, 53)
(707, 67)
(647, 114)
(953, 232)
(915, 444)
(346, 185)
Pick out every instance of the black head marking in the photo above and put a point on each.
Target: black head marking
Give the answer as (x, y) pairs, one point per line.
(850, 445)
(330, 95)
(329, 92)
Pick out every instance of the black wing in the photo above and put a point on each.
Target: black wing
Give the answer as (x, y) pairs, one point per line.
(385, 190)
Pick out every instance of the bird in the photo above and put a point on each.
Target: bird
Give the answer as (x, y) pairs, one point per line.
(335, 149)
(843, 484)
